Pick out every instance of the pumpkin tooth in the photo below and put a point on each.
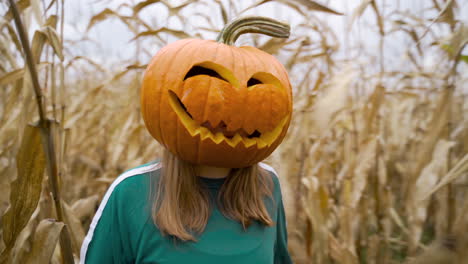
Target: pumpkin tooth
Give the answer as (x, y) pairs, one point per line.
(261, 143)
(248, 142)
(218, 137)
(204, 133)
(236, 139)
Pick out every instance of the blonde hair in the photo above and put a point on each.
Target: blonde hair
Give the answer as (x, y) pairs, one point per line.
(181, 205)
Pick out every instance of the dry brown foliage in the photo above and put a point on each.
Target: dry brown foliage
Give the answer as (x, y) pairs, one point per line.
(374, 167)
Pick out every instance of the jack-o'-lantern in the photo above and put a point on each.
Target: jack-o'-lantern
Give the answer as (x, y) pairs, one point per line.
(215, 104)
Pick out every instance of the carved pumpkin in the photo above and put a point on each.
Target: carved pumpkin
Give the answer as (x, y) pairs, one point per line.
(214, 104)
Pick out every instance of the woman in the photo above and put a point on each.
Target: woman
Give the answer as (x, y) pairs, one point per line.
(208, 200)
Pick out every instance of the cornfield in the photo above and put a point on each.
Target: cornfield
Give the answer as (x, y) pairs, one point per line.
(374, 168)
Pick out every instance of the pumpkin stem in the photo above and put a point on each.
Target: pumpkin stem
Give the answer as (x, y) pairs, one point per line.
(253, 24)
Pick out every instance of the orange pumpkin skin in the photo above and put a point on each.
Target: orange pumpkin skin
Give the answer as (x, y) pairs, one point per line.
(174, 109)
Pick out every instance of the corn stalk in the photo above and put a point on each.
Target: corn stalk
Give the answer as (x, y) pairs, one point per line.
(46, 136)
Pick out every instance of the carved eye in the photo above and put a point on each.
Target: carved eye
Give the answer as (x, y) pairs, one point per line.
(253, 81)
(199, 70)
(264, 78)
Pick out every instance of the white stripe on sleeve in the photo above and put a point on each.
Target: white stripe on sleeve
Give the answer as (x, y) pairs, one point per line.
(97, 216)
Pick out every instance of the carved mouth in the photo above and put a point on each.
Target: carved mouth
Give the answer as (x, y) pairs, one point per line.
(222, 127)
(220, 133)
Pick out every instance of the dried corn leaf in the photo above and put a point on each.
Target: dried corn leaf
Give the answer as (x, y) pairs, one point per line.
(176, 33)
(464, 58)
(103, 15)
(106, 13)
(397, 219)
(51, 21)
(26, 189)
(37, 11)
(273, 45)
(310, 57)
(12, 102)
(437, 124)
(54, 40)
(121, 139)
(431, 174)
(39, 39)
(128, 69)
(88, 60)
(366, 161)
(339, 253)
(51, 3)
(414, 36)
(21, 4)
(426, 181)
(23, 242)
(315, 6)
(359, 10)
(447, 5)
(9, 60)
(312, 206)
(308, 4)
(175, 10)
(45, 241)
(333, 100)
(137, 67)
(85, 207)
(14, 37)
(77, 233)
(447, 13)
(380, 21)
(209, 29)
(436, 254)
(18, 74)
(224, 14)
(459, 169)
(138, 7)
(371, 112)
(455, 42)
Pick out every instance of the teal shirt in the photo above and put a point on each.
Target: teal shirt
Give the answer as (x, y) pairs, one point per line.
(122, 231)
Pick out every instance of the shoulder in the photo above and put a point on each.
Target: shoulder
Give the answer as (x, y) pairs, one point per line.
(268, 168)
(275, 179)
(124, 195)
(128, 187)
(134, 177)
(142, 170)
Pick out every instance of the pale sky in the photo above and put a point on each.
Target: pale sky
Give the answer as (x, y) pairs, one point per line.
(109, 42)
(111, 39)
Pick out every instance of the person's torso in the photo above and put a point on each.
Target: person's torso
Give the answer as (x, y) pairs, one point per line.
(223, 240)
